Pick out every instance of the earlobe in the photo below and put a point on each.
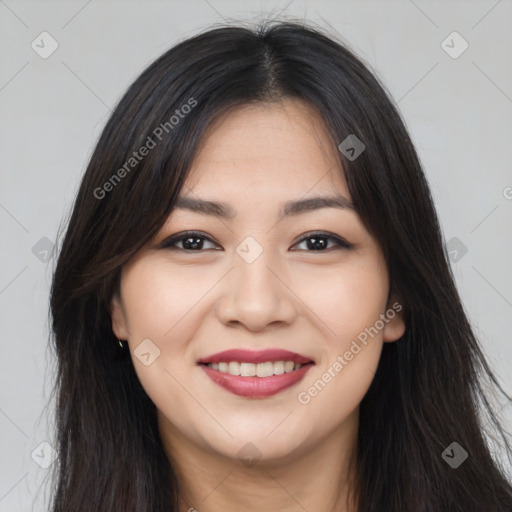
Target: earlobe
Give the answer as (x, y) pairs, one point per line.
(119, 327)
(395, 325)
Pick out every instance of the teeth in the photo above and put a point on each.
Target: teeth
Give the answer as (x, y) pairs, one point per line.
(247, 369)
(278, 368)
(256, 370)
(265, 369)
(234, 368)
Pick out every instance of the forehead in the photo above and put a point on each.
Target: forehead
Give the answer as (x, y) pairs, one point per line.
(269, 148)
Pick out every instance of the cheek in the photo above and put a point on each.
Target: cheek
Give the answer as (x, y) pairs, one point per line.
(159, 298)
(159, 305)
(337, 389)
(346, 299)
(349, 304)
(163, 304)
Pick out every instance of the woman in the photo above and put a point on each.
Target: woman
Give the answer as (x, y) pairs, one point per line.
(252, 308)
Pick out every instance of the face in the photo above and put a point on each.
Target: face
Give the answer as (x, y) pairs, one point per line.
(297, 293)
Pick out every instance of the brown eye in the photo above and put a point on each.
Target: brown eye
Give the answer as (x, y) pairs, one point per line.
(320, 242)
(192, 241)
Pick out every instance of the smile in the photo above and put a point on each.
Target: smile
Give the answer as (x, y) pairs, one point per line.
(256, 370)
(254, 374)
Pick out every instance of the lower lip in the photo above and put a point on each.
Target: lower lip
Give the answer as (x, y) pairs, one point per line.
(256, 387)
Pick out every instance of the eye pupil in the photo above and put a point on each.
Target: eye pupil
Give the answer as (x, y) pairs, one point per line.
(317, 243)
(196, 244)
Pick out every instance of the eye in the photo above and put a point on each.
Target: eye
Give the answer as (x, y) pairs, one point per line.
(319, 241)
(194, 241)
(191, 241)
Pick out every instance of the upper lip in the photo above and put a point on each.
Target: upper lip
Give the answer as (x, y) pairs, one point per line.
(255, 356)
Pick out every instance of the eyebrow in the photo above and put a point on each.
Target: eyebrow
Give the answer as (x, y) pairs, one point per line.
(290, 208)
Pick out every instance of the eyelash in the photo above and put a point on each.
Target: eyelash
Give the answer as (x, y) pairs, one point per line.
(169, 243)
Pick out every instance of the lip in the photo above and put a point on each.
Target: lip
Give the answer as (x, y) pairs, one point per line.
(256, 387)
(255, 356)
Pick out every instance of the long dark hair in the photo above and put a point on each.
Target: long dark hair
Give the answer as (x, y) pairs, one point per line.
(428, 390)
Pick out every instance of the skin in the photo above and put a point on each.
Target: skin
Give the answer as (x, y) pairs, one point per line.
(313, 302)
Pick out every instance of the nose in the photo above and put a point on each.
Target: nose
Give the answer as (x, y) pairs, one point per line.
(257, 295)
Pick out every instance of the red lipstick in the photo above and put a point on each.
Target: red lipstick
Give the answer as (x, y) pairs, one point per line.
(256, 387)
(253, 356)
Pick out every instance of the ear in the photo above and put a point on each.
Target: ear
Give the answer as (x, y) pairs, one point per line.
(119, 324)
(394, 327)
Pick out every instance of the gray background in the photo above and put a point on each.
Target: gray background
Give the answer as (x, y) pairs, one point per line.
(52, 110)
